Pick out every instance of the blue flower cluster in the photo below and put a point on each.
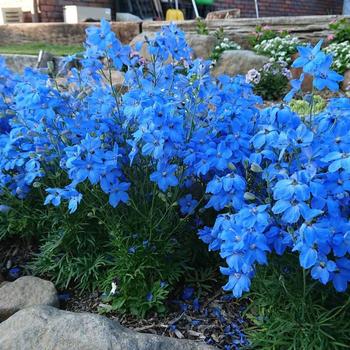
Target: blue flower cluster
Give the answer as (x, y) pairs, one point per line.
(276, 180)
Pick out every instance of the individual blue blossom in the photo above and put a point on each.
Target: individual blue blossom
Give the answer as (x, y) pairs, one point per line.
(4, 209)
(187, 204)
(337, 160)
(14, 273)
(324, 77)
(118, 193)
(165, 176)
(149, 297)
(254, 215)
(323, 269)
(237, 282)
(307, 55)
(187, 293)
(132, 250)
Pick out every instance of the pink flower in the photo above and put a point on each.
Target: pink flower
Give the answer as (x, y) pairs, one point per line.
(330, 37)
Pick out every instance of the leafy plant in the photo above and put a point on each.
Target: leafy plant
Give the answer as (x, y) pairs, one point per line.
(201, 27)
(270, 82)
(308, 106)
(264, 33)
(341, 29)
(289, 311)
(341, 55)
(224, 45)
(278, 48)
(176, 145)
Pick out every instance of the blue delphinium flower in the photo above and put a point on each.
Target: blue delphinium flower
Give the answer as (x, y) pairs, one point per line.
(165, 176)
(187, 204)
(275, 181)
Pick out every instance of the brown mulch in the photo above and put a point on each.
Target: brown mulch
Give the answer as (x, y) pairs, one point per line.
(217, 322)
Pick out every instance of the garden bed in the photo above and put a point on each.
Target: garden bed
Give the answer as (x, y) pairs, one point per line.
(143, 198)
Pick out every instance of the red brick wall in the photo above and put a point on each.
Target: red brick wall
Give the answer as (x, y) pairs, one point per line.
(271, 8)
(52, 10)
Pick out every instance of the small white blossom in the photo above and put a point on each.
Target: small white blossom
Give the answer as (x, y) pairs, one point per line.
(114, 288)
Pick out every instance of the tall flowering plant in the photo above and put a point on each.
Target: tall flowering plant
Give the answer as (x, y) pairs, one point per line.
(295, 188)
(275, 180)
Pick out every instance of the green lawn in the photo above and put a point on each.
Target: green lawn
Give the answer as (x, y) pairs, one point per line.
(34, 48)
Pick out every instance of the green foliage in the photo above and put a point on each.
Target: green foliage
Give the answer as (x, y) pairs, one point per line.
(273, 83)
(25, 218)
(145, 251)
(289, 311)
(341, 56)
(73, 252)
(34, 49)
(279, 48)
(201, 27)
(144, 248)
(341, 30)
(224, 45)
(264, 33)
(304, 107)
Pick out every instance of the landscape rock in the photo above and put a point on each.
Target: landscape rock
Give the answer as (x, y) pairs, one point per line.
(202, 45)
(233, 62)
(47, 328)
(127, 17)
(224, 14)
(346, 82)
(24, 292)
(141, 38)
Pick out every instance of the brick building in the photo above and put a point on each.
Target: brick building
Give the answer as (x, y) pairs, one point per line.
(272, 8)
(52, 10)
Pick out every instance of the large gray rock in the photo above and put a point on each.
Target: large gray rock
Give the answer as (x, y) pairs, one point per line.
(202, 45)
(224, 14)
(142, 37)
(24, 292)
(47, 328)
(233, 62)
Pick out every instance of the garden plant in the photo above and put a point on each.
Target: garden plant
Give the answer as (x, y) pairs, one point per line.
(116, 183)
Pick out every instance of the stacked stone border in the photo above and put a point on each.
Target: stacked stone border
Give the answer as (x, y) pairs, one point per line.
(309, 28)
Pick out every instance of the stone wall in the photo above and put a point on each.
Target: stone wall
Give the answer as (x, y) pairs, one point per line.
(61, 33)
(308, 28)
(52, 10)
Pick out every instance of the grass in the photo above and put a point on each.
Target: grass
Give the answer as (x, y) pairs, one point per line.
(34, 48)
(289, 311)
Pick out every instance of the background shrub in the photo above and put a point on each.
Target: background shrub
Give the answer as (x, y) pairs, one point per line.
(271, 82)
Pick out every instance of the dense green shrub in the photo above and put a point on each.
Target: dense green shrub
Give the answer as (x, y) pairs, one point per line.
(270, 82)
(341, 29)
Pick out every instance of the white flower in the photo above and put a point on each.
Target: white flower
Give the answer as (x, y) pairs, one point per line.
(114, 289)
